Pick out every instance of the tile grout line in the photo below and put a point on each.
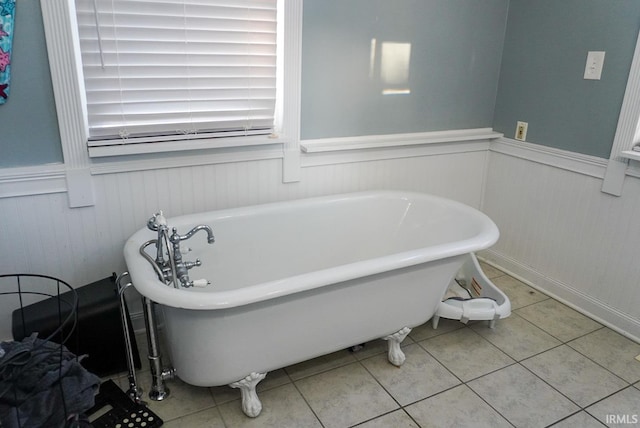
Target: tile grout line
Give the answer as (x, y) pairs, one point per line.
(465, 383)
(518, 362)
(489, 404)
(596, 362)
(295, 385)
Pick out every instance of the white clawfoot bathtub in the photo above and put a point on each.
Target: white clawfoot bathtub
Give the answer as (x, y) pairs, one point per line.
(291, 281)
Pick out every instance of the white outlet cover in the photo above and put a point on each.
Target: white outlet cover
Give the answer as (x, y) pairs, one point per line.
(524, 126)
(593, 68)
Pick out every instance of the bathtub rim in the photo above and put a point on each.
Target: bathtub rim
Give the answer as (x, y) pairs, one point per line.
(146, 283)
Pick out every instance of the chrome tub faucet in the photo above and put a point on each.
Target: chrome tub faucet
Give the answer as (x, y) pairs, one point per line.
(175, 269)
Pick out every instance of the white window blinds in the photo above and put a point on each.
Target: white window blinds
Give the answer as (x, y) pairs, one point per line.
(158, 70)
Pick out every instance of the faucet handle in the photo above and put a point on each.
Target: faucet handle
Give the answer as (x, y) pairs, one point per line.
(200, 283)
(156, 221)
(175, 237)
(189, 265)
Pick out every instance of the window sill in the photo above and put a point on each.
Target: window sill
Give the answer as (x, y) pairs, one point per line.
(179, 146)
(397, 140)
(630, 154)
(185, 158)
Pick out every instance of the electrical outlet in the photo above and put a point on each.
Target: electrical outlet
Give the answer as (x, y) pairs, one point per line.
(521, 131)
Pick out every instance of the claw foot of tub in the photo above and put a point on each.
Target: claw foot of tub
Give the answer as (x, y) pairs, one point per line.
(251, 405)
(396, 356)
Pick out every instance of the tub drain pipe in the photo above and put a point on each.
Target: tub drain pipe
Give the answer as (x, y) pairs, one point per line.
(159, 390)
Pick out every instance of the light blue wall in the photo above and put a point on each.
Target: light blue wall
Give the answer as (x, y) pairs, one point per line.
(541, 80)
(455, 60)
(455, 54)
(28, 123)
(456, 49)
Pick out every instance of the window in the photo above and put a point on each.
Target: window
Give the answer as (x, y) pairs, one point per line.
(627, 132)
(157, 70)
(146, 76)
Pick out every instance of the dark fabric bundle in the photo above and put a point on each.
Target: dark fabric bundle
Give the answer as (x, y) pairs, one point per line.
(42, 384)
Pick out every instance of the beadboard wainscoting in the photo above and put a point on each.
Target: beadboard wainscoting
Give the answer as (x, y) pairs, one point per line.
(41, 234)
(558, 231)
(561, 234)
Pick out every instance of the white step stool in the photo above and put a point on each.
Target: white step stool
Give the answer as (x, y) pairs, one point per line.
(472, 296)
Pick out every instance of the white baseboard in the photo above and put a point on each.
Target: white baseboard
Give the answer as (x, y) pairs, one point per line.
(570, 296)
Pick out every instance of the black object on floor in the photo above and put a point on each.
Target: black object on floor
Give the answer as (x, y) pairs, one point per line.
(123, 412)
(98, 332)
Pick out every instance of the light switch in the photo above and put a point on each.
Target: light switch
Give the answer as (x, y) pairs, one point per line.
(593, 69)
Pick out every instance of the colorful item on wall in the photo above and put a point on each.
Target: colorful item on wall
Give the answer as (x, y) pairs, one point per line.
(7, 14)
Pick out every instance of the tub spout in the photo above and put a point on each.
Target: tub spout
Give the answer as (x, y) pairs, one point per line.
(210, 238)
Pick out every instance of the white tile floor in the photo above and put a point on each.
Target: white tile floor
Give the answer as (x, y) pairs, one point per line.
(546, 365)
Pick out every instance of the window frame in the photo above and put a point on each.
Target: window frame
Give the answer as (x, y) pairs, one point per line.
(65, 64)
(622, 160)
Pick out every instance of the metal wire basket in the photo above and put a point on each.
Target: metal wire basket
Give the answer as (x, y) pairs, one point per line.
(20, 360)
